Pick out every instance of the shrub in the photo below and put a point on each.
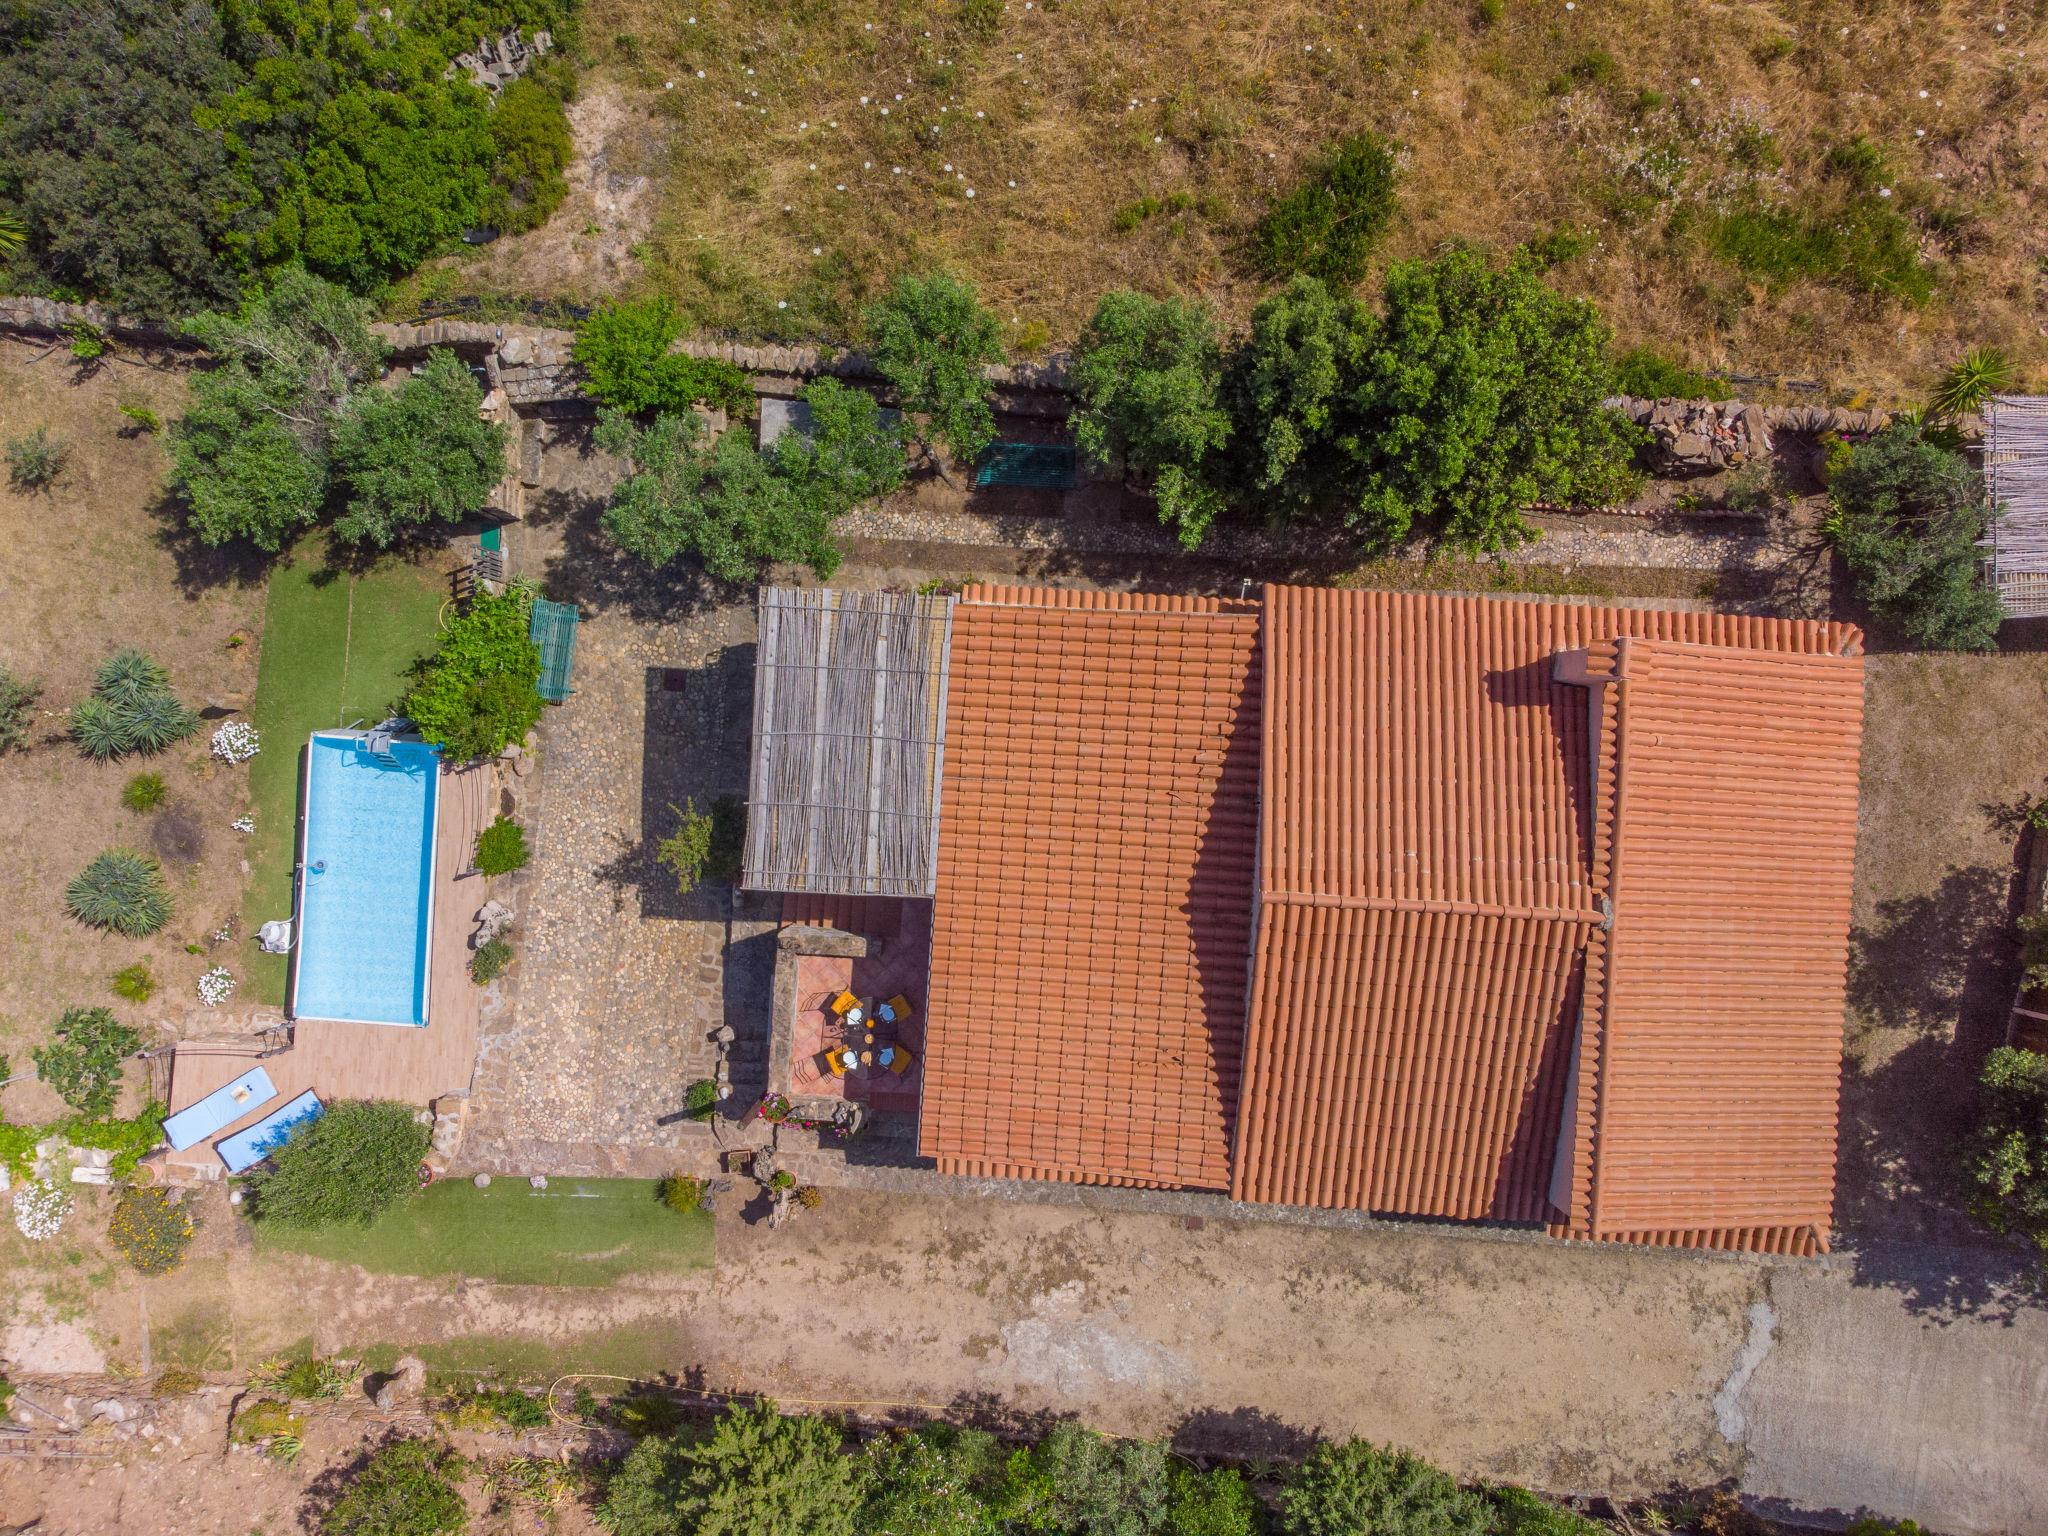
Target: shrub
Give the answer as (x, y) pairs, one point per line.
(142, 417)
(345, 1168)
(1360, 1489)
(120, 890)
(754, 1473)
(700, 1099)
(18, 697)
(176, 1381)
(127, 1140)
(809, 1196)
(681, 1193)
(623, 350)
(931, 337)
(1751, 487)
(479, 692)
(1147, 377)
(1648, 375)
(151, 1232)
(501, 847)
(483, 1407)
(417, 455)
(1907, 518)
(143, 793)
(1864, 245)
(1327, 226)
(83, 1059)
(407, 1488)
(1518, 1512)
(135, 982)
(530, 134)
(305, 1378)
(1075, 1480)
(2008, 1153)
(490, 961)
(782, 1178)
(686, 851)
(35, 460)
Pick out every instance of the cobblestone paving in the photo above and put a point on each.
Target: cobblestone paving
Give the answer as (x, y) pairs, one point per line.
(622, 981)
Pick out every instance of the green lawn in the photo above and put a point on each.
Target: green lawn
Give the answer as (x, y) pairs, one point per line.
(574, 1232)
(335, 650)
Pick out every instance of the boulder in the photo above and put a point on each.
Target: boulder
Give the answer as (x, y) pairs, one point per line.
(515, 351)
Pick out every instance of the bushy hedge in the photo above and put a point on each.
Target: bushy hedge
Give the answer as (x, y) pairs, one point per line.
(343, 1169)
(757, 1472)
(2008, 1159)
(479, 691)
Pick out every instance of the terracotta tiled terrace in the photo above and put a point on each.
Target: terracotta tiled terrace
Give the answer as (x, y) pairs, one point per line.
(905, 927)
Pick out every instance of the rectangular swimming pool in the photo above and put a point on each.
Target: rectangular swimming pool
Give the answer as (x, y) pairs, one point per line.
(366, 881)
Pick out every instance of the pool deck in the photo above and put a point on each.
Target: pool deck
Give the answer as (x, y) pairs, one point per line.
(414, 1065)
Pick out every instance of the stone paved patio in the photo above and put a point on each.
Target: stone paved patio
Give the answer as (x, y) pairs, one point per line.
(621, 982)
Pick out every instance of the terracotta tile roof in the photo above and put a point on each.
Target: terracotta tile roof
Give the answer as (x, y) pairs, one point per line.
(1708, 1073)
(1092, 921)
(1434, 887)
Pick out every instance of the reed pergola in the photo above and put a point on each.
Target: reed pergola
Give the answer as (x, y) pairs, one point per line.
(2016, 480)
(849, 708)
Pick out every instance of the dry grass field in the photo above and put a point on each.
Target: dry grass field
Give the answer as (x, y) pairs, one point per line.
(769, 162)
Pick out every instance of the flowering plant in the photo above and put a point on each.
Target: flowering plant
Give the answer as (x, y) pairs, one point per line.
(216, 986)
(244, 823)
(773, 1107)
(40, 1209)
(236, 741)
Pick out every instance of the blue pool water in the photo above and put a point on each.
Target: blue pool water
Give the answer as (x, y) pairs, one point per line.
(366, 882)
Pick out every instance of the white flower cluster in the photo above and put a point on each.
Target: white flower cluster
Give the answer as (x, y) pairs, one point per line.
(236, 741)
(216, 986)
(244, 823)
(40, 1209)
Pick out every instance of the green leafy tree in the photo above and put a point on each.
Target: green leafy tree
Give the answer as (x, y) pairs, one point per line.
(126, 194)
(345, 1168)
(480, 691)
(756, 1473)
(738, 510)
(83, 1059)
(931, 337)
(2008, 1153)
(1077, 1483)
(250, 454)
(1907, 517)
(686, 852)
(1360, 1489)
(121, 891)
(1147, 379)
(1214, 1503)
(406, 1488)
(13, 233)
(417, 455)
(1479, 393)
(623, 350)
(934, 1481)
(1287, 390)
(1328, 225)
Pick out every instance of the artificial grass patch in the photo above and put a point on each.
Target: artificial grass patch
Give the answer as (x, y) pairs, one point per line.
(336, 648)
(582, 1232)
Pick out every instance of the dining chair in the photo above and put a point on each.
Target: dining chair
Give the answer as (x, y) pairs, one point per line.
(835, 1061)
(899, 1009)
(901, 1061)
(844, 1001)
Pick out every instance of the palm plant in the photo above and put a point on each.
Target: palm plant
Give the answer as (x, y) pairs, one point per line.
(128, 676)
(120, 890)
(13, 233)
(1982, 373)
(100, 729)
(157, 721)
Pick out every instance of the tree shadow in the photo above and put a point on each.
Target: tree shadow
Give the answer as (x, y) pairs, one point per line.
(590, 570)
(1938, 967)
(998, 1416)
(203, 567)
(1241, 1434)
(1946, 1284)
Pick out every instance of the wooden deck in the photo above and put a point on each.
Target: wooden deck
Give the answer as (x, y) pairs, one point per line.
(377, 1061)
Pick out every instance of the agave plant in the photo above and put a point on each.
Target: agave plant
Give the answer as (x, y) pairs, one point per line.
(128, 677)
(1982, 373)
(100, 729)
(155, 722)
(120, 890)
